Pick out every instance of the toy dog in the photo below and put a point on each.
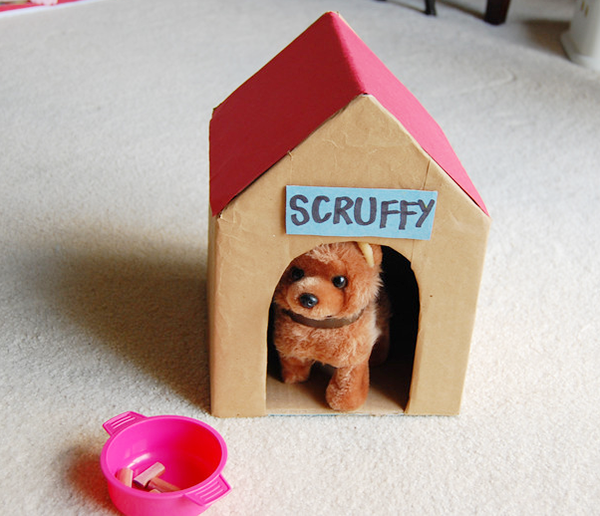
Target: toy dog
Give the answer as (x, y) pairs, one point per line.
(329, 307)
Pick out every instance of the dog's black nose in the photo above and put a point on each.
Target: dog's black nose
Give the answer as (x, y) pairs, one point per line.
(308, 300)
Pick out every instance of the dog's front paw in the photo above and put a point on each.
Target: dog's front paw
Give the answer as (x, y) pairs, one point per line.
(348, 388)
(294, 370)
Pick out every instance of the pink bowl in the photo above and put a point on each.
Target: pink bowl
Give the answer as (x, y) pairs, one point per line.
(193, 453)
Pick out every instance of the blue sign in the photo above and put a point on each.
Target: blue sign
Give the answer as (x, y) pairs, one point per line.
(359, 212)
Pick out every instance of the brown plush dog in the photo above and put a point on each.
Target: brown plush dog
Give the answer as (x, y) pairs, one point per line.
(329, 307)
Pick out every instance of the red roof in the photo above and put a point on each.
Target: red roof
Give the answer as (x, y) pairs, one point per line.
(314, 77)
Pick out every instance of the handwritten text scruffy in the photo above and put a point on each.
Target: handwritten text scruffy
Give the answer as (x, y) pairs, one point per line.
(360, 212)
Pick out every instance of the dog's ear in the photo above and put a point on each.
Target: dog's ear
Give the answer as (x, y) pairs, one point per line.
(367, 252)
(372, 253)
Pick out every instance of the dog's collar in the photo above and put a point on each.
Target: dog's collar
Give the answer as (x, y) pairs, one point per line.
(323, 323)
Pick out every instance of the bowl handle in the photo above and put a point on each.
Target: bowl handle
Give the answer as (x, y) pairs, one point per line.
(209, 493)
(122, 421)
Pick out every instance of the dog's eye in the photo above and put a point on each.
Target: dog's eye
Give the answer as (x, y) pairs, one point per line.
(339, 281)
(297, 274)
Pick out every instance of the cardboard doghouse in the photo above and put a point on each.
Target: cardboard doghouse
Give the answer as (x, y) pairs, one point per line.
(326, 120)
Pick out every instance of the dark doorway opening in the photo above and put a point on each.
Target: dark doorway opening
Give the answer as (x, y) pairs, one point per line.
(393, 377)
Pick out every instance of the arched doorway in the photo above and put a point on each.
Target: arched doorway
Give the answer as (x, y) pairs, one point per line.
(390, 381)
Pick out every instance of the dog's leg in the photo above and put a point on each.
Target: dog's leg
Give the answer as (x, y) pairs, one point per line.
(295, 370)
(348, 387)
